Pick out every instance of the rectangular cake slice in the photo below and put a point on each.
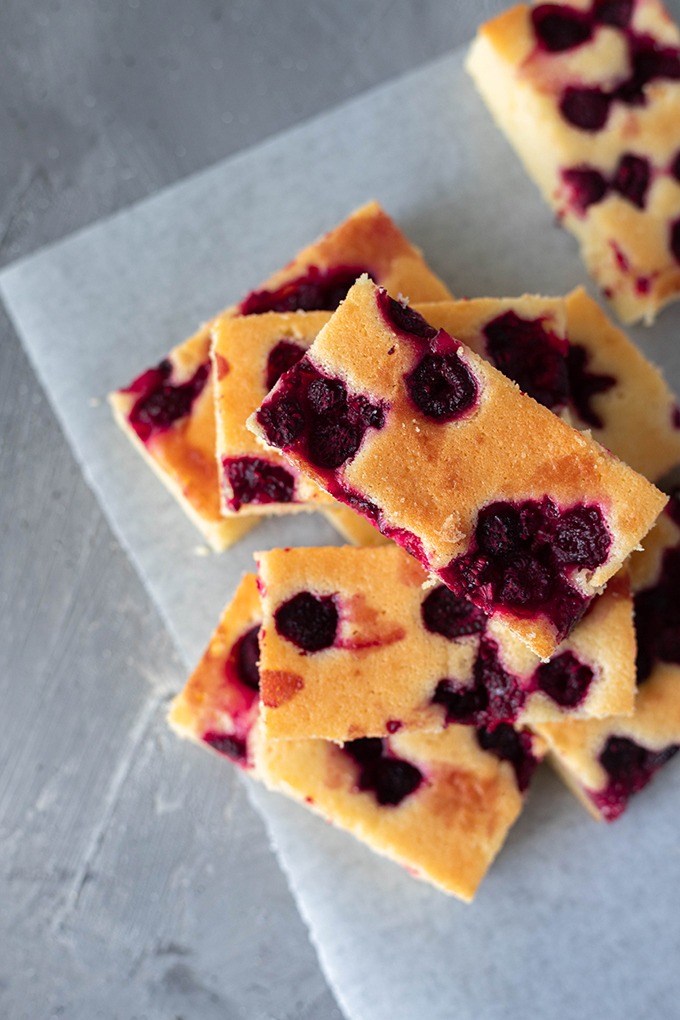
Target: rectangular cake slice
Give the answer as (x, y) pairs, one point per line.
(353, 645)
(168, 411)
(440, 804)
(168, 414)
(507, 504)
(588, 93)
(606, 761)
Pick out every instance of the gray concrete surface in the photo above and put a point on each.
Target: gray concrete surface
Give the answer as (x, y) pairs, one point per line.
(106, 900)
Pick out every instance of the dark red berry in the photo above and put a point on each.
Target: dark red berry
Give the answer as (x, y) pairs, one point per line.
(616, 13)
(281, 358)
(675, 168)
(582, 538)
(631, 179)
(564, 679)
(451, 616)
(442, 387)
(255, 480)
(513, 746)
(316, 290)
(531, 356)
(585, 108)
(230, 745)
(308, 621)
(389, 778)
(403, 319)
(675, 239)
(283, 421)
(585, 186)
(334, 442)
(161, 403)
(630, 767)
(247, 656)
(559, 28)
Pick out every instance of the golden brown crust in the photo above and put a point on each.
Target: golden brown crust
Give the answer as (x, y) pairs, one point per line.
(385, 665)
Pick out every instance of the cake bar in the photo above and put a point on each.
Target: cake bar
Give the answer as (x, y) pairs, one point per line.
(354, 645)
(588, 93)
(507, 504)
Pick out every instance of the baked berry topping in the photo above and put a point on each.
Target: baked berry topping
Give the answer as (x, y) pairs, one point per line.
(283, 421)
(282, 357)
(510, 745)
(522, 557)
(584, 385)
(629, 767)
(616, 13)
(389, 778)
(564, 679)
(581, 538)
(649, 61)
(530, 355)
(657, 617)
(308, 621)
(442, 387)
(403, 319)
(631, 179)
(585, 108)
(316, 290)
(254, 480)
(161, 403)
(453, 617)
(319, 413)
(232, 746)
(585, 187)
(675, 417)
(246, 653)
(559, 28)
(675, 239)
(493, 697)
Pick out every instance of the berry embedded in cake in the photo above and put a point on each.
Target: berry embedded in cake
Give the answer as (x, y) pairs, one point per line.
(354, 646)
(407, 426)
(589, 95)
(169, 413)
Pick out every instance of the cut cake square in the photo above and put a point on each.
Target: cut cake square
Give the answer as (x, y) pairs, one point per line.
(588, 93)
(510, 506)
(353, 645)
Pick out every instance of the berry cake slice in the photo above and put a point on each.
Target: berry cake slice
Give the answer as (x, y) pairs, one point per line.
(525, 338)
(606, 761)
(441, 804)
(168, 411)
(353, 645)
(507, 504)
(219, 705)
(588, 93)
(617, 393)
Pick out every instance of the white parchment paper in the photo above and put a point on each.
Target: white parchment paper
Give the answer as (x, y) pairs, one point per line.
(575, 920)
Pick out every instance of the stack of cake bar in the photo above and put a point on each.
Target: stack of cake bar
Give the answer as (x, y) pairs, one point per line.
(513, 590)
